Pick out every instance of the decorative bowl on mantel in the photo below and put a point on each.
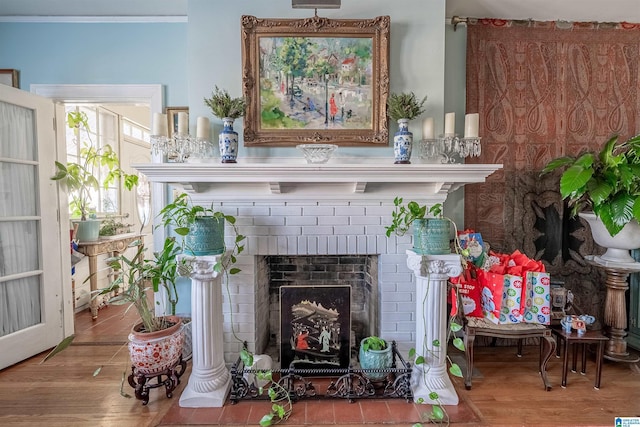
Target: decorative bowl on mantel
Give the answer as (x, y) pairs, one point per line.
(317, 153)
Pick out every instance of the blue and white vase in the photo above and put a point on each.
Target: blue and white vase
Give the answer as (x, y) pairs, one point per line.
(402, 142)
(228, 142)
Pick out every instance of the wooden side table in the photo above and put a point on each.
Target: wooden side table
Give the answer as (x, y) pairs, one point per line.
(589, 337)
(113, 244)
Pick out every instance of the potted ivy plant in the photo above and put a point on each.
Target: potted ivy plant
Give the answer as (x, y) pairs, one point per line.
(607, 183)
(375, 353)
(80, 178)
(402, 108)
(202, 231)
(430, 233)
(226, 108)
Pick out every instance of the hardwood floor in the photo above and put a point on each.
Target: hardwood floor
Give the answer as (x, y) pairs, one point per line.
(507, 391)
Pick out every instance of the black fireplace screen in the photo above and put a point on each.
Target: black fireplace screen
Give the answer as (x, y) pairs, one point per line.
(315, 326)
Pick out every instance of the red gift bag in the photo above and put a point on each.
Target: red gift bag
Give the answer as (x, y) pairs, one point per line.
(470, 291)
(492, 285)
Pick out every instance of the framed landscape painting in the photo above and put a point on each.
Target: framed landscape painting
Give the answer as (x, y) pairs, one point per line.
(315, 325)
(315, 80)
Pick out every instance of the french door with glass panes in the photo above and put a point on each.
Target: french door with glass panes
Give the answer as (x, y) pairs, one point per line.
(36, 310)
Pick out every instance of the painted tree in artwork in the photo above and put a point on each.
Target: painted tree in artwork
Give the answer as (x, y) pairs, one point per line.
(294, 53)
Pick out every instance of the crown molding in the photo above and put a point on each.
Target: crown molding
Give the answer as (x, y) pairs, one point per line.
(96, 19)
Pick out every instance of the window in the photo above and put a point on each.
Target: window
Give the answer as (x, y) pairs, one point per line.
(135, 133)
(103, 130)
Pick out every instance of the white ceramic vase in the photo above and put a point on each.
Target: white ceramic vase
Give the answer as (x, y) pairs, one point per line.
(617, 246)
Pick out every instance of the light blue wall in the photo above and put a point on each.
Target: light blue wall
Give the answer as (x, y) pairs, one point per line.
(417, 54)
(98, 53)
(188, 59)
(455, 100)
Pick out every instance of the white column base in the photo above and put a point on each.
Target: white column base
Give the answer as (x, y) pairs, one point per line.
(210, 379)
(211, 399)
(432, 273)
(424, 384)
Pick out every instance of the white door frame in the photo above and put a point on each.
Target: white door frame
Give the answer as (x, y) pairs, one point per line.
(53, 266)
(104, 94)
(151, 94)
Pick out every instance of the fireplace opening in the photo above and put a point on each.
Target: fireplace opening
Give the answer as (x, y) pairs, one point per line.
(359, 272)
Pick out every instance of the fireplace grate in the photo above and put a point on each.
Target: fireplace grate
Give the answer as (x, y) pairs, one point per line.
(345, 383)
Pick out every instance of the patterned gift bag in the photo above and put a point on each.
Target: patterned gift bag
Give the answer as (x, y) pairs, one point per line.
(512, 309)
(538, 298)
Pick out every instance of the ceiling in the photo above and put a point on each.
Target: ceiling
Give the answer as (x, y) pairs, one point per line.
(543, 10)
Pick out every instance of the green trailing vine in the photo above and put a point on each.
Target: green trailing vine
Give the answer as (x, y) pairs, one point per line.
(281, 404)
(402, 218)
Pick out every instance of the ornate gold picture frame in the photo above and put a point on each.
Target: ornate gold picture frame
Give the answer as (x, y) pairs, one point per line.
(315, 80)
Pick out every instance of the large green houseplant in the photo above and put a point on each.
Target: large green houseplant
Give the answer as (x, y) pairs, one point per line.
(80, 178)
(605, 181)
(137, 276)
(156, 342)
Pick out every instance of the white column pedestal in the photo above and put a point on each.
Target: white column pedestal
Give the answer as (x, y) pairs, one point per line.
(432, 273)
(210, 379)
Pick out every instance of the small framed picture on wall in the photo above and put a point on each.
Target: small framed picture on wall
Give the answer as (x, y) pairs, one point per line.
(9, 77)
(172, 118)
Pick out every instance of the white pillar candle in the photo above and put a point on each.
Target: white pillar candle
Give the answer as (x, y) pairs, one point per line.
(450, 123)
(427, 128)
(202, 128)
(159, 124)
(183, 123)
(471, 123)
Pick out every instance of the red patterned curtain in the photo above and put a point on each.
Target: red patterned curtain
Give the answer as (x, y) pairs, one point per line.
(542, 90)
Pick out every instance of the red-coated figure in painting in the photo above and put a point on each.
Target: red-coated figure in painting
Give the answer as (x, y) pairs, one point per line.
(301, 341)
(333, 108)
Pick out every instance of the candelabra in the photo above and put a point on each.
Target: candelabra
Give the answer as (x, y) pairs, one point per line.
(450, 147)
(180, 145)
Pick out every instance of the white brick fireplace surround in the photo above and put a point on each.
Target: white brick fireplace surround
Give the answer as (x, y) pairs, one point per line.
(292, 208)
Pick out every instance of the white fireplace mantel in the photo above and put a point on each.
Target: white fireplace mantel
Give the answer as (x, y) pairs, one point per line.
(263, 180)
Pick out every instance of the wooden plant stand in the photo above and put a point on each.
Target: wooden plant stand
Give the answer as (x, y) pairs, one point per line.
(615, 309)
(170, 379)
